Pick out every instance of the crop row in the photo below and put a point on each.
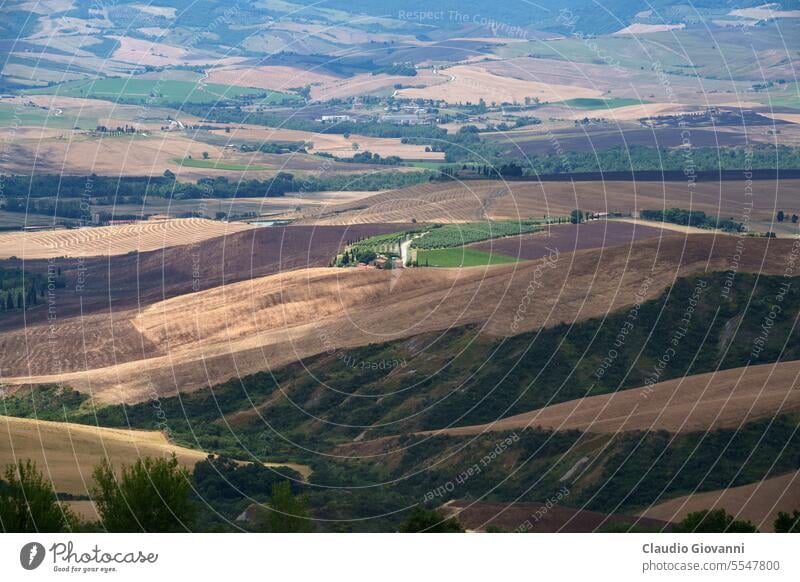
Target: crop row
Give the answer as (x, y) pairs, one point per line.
(456, 235)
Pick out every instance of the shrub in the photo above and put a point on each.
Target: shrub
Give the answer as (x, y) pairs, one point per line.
(424, 520)
(28, 503)
(152, 495)
(714, 521)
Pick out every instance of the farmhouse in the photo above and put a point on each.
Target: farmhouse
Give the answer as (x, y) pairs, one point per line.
(408, 119)
(335, 118)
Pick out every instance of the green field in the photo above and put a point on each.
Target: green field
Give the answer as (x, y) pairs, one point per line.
(14, 116)
(679, 52)
(430, 165)
(587, 103)
(220, 165)
(160, 92)
(781, 95)
(460, 257)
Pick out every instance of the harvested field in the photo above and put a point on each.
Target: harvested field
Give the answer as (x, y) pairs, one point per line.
(367, 84)
(470, 83)
(783, 116)
(496, 200)
(127, 156)
(151, 155)
(67, 453)
(568, 238)
(629, 112)
(664, 225)
(757, 502)
(145, 52)
(765, 12)
(536, 517)
(262, 206)
(334, 144)
(276, 78)
(158, 54)
(639, 28)
(87, 111)
(271, 321)
(564, 73)
(704, 402)
(142, 236)
(434, 202)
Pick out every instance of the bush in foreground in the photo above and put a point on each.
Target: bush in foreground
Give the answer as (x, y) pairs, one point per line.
(714, 521)
(429, 521)
(28, 503)
(788, 523)
(152, 495)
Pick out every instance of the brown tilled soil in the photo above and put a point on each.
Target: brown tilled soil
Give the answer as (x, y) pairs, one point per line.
(569, 238)
(267, 322)
(122, 282)
(757, 502)
(725, 399)
(526, 516)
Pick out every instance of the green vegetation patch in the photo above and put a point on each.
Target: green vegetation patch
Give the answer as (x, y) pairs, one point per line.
(456, 235)
(24, 290)
(696, 218)
(18, 116)
(643, 158)
(461, 257)
(590, 103)
(158, 92)
(220, 165)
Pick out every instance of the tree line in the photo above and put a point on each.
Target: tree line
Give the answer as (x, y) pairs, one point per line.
(25, 193)
(696, 218)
